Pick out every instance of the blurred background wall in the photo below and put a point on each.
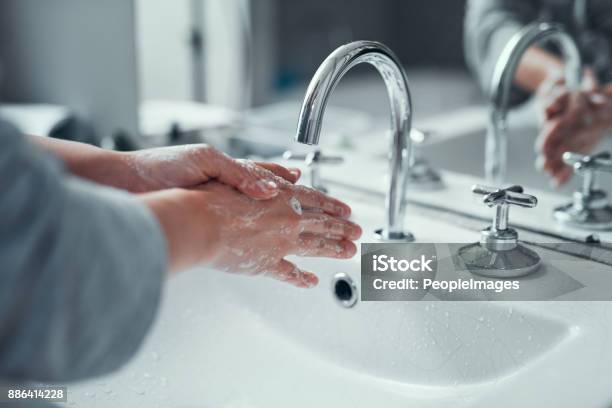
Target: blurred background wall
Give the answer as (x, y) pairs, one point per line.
(104, 59)
(78, 54)
(421, 33)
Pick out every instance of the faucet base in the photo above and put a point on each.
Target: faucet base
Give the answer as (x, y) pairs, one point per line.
(506, 263)
(383, 235)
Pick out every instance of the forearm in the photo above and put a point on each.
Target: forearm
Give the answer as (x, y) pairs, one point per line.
(181, 213)
(489, 25)
(535, 67)
(102, 166)
(82, 269)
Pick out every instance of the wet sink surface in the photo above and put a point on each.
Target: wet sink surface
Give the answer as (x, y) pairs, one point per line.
(224, 340)
(429, 342)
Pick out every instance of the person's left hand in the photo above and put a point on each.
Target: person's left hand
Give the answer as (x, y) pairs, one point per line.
(191, 165)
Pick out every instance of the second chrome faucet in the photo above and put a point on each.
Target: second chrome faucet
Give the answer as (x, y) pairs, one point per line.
(501, 85)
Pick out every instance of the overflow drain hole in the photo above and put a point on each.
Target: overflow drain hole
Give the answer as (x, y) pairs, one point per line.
(344, 290)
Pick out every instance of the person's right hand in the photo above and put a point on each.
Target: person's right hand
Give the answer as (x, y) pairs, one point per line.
(217, 226)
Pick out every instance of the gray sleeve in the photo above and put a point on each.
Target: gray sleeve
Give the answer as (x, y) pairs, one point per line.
(81, 269)
(489, 24)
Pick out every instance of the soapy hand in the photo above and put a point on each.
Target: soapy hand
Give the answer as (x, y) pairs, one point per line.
(217, 226)
(190, 165)
(253, 237)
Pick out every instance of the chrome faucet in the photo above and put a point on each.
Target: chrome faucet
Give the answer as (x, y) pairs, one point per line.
(335, 66)
(503, 77)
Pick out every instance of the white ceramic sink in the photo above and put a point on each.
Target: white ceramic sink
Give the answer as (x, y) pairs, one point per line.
(430, 343)
(232, 341)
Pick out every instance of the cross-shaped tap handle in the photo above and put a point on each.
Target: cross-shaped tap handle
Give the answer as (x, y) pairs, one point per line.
(586, 166)
(501, 198)
(509, 195)
(597, 162)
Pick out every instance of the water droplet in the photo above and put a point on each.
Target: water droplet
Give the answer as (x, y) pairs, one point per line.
(89, 394)
(529, 338)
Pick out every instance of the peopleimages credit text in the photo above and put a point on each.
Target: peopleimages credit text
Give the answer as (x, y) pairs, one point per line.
(446, 285)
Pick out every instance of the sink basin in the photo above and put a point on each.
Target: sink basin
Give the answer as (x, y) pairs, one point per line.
(426, 342)
(233, 341)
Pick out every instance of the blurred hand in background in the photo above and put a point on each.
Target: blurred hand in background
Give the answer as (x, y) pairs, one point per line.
(570, 121)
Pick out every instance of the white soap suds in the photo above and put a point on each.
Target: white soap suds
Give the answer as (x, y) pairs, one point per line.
(295, 205)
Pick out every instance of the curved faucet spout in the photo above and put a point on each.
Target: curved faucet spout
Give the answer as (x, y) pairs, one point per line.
(335, 66)
(501, 84)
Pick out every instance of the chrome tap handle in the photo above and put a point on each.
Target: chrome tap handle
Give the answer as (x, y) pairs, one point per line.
(313, 160)
(586, 166)
(590, 207)
(597, 162)
(510, 195)
(501, 198)
(499, 254)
